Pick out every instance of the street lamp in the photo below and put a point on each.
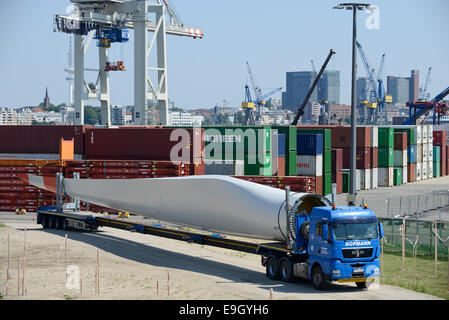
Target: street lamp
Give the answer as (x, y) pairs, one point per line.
(354, 7)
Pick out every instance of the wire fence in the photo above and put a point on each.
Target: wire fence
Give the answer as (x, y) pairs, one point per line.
(416, 205)
(413, 229)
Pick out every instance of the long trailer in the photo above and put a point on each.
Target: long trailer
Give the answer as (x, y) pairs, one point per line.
(330, 244)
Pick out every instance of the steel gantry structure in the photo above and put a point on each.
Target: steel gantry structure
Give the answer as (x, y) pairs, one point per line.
(94, 17)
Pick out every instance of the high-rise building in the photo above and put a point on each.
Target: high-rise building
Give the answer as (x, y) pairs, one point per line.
(364, 89)
(329, 87)
(299, 83)
(399, 88)
(414, 86)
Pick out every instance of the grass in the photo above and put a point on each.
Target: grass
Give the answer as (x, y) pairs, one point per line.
(423, 280)
(1, 224)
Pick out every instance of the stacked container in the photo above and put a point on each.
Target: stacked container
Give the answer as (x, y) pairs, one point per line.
(439, 139)
(385, 156)
(326, 154)
(309, 159)
(374, 150)
(400, 155)
(336, 168)
(289, 133)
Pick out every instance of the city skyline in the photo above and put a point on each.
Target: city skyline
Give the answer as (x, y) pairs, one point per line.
(204, 72)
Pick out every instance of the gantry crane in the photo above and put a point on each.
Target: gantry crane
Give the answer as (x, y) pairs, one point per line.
(423, 108)
(92, 16)
(423, 94)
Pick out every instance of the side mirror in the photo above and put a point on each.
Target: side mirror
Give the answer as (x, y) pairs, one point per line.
(326, 232)
(381, 230)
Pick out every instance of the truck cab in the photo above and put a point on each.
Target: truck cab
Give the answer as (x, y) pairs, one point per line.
(329, 244)
(343, 245)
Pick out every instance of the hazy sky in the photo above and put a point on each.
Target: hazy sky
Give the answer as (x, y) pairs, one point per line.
(274, 36)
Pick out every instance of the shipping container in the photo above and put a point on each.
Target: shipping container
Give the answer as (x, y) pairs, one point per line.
(385, 177)
(374, 178)
(29, 139)
(443, 161)
(290, 165)
(436, 169)
(397, 176)
(411, 154)
(327, 134)
(327, 183)
(385, 157)
(424, 170)
(341, 137)
(411, 133)
(365, 179)
(404, 175)
(436, 154)
(346, 176)
(400, 141)
(374, 157)
(439, 138)
(430, 169)
(290, 136)
(309, 144)
(337, 178)
(280, 167)
(385, 137)
(336, 160)
(307, 165)
(418, 171)
(281, 145)
(411, 172)
(363, 158)
(374, 137)
(225, 167)
(400, 158)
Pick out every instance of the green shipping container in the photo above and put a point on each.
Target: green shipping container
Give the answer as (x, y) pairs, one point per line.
(327, 161)
(411, 134)
(290, 136)
(385, 137)
(385, 157)
(436, 169)
(346, 181)
(327, 135)
(327, 183)
(253, 168)
(397, 176)
(290, 163)
(436, 154)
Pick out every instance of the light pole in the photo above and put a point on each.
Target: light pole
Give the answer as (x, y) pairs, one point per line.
(354, 7)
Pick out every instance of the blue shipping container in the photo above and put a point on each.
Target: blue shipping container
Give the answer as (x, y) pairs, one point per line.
(309, 144)
(281, 145)
(411, 154)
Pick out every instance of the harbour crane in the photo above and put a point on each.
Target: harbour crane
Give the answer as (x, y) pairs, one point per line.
(300, 111)
(382, 98)
(248, 108)
(423, 108)
(423, 94)
(109, 21)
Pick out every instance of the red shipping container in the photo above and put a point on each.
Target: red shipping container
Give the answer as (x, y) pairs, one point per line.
(40, 139)
(374, 157)
(144, 144)
(337, 177)
(411, 172)
(400, 141)
(337, 160)
(319, 185)
(341, 137)
(363, 158)
(281, 166)
(439, 138)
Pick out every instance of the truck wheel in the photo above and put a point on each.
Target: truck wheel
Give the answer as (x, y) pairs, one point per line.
(52, 223)
(45, 222)
(58, 223)
(286, 270)
(272, 268)
(318, 279)
(363, 284)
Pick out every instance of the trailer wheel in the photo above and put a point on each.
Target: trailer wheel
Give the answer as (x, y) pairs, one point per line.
(272, 268)
(65, 224)
(52, 222)
(45, 222)
(318, 279)
(58, 223)
(286, 270)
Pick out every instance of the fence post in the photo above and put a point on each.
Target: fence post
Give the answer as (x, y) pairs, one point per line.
(436, 250)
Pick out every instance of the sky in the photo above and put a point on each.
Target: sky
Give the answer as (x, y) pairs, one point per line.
(275, 37)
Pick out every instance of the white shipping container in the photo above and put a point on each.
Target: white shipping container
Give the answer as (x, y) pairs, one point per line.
(374, 178)
(430, 151)
(418, 169)
(225, 167)
(307, 165)
(374, 137)
(418, 134)
(423, 134)
(385, 177)
(425, 150)
(424, 166)
(430, 134)
(357, 179)
(430, 169)
(365, 179)
(400, 158)
(418, 154)
(404, 174)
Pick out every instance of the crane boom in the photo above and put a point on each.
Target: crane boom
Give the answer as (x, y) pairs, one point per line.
(301, 108)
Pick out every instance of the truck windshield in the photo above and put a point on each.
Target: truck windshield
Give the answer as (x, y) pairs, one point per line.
(355, 231)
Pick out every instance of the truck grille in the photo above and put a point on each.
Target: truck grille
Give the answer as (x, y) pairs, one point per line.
(357, 252)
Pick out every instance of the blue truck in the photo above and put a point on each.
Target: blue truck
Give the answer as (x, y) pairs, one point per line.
(325, 243)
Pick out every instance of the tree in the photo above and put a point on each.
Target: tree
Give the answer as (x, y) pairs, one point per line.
(90, 115)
